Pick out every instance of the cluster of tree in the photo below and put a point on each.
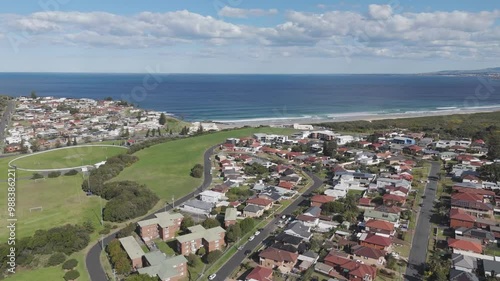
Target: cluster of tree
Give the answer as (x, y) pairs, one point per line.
(152, 133)
(302, 147)
(345, 209)
(330, 148)
(59, 242)
(437, 269)
(236, 231)
(147, 143)
(163, 119)
(71, 172)
(114, 165)
(255, 169)
(54, 174)
(118, 257)
(238, 193)
(490, 172)
(64, 107)
(36, 176)
(127, 200)
(126, 231)
(197, 171)
(210, 223)
(184, 131)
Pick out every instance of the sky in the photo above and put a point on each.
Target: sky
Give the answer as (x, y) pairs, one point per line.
(243, 36)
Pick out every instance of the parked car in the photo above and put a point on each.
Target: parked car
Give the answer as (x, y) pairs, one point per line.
(240, 248)
(257, 233)
(212, 277)
(251, 238)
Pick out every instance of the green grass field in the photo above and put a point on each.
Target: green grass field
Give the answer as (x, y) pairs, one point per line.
(165, 167)
(62, 200)
(68, 157)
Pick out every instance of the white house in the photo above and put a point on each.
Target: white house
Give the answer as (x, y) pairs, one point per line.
(211, 196)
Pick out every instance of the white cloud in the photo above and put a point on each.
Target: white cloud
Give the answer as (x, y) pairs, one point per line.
(231, 12)
(380, 12)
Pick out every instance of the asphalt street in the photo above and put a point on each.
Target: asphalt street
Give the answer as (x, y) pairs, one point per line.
(238, 258)
(4, 122)
(92, 259)
(418, 253)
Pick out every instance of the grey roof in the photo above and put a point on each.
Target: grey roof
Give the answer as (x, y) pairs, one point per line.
(198, 232)
(491, 265)
(479, 234)
(310, 254)
(275, 196)
(252, 208)
(165, 268)
(463, 261)
(457, 275)
(314, 211)
(163, 219)
(198, 204)
(298, 229)
(231, 214)
(288, 239)
(131, 246)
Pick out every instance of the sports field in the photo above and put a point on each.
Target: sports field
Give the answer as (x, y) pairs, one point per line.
(165, 167)
(68, 157)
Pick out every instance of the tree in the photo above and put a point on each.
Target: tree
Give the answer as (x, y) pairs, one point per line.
(233, 233)
(153, 132)
(493, 145)
(33, 95)
(71, 275)
(330, 148)
(186, 222)
(247, 225)
(36, 176)
(68, 143)
(69, 264)
(201, 251)
(35, 145)
(163, 119)
(147, 133)
(24, 148)
(197, 171)
(159, 132)
(213, 256)
(200, 129)
(54, 174)
(210, 223)
(56, 259)
(490, 172)
(74, 141)
(334, 207)
(108, 99)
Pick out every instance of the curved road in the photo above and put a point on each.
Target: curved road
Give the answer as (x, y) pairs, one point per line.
(92, 259)
(418, 253)
(237, 259)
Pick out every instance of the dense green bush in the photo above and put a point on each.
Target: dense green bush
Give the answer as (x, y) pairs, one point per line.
(69, 264)
(71, 275)
(71, 172)
(54, 174)
(56, 259)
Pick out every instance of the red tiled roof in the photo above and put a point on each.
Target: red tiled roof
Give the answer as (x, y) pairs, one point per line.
(322, 199)
(384, 225)
(393, 197)
(259, 201)
(466, 196)
(260, 274)
(457, 214)
(336, 260)
(362, 270)
(465, 245)
(473, 191)
(368, 252)
(414, 148)
(286, 184)
(365, 201)
(378, 240)
(278, 255)
(388, 209)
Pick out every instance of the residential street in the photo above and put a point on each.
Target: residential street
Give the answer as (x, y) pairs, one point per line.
(418, 253)
(4, 122)
(92, 260)
(238, 258)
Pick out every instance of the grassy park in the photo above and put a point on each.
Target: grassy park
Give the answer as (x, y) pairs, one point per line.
(165, 167)
(68, 157)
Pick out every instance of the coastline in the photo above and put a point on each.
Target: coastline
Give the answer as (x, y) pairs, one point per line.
(283, 122)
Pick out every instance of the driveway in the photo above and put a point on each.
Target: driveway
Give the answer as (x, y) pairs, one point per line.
(93, 256)
(418, 253)
(238, 258)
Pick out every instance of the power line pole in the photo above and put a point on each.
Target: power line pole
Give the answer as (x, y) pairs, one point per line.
(173, 201)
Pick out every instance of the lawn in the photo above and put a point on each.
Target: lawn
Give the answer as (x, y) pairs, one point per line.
(62, 201)
(165, 167)
(164, 247)
(68, 157)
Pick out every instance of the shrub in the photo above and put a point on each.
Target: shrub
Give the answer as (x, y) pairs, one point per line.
(197, 171)
(70, 264)
(56, 259)
(71, 172)
(37, 176)
(71, 275)
(54, 174)
(213, 256)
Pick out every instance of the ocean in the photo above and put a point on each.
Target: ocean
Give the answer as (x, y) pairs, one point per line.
(198, 97)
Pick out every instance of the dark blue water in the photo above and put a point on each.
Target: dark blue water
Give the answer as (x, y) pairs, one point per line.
(237, 97)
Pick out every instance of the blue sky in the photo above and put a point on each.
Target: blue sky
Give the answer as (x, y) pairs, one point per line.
(242, 36)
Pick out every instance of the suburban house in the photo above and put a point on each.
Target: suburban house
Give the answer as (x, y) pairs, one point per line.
(375, 241)
(484, 236)
(458, 275)
(230, 216)
(319, 200)
(464, 246)
(472, 204)
(351, 269)
(380, 227)
(253, 211)
(463, 262)
(211, 196)
(284, 261)
(133, 250)
(298, 229)
(261, 202)
(164, 226)
(260, 273)
(491, 268)
(460, 218)
(198, 207)
(369, 255)
(392, 199)
(378, 215)
(156, 264)
(211, 239)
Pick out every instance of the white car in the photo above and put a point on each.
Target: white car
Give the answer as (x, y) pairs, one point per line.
(240, 248)
(212, 277)
(251, 238)
(257, 233)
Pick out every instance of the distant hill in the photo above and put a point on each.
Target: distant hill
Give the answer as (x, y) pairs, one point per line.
(494, 72)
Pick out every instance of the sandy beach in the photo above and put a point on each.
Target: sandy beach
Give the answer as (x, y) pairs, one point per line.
(349, 117)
